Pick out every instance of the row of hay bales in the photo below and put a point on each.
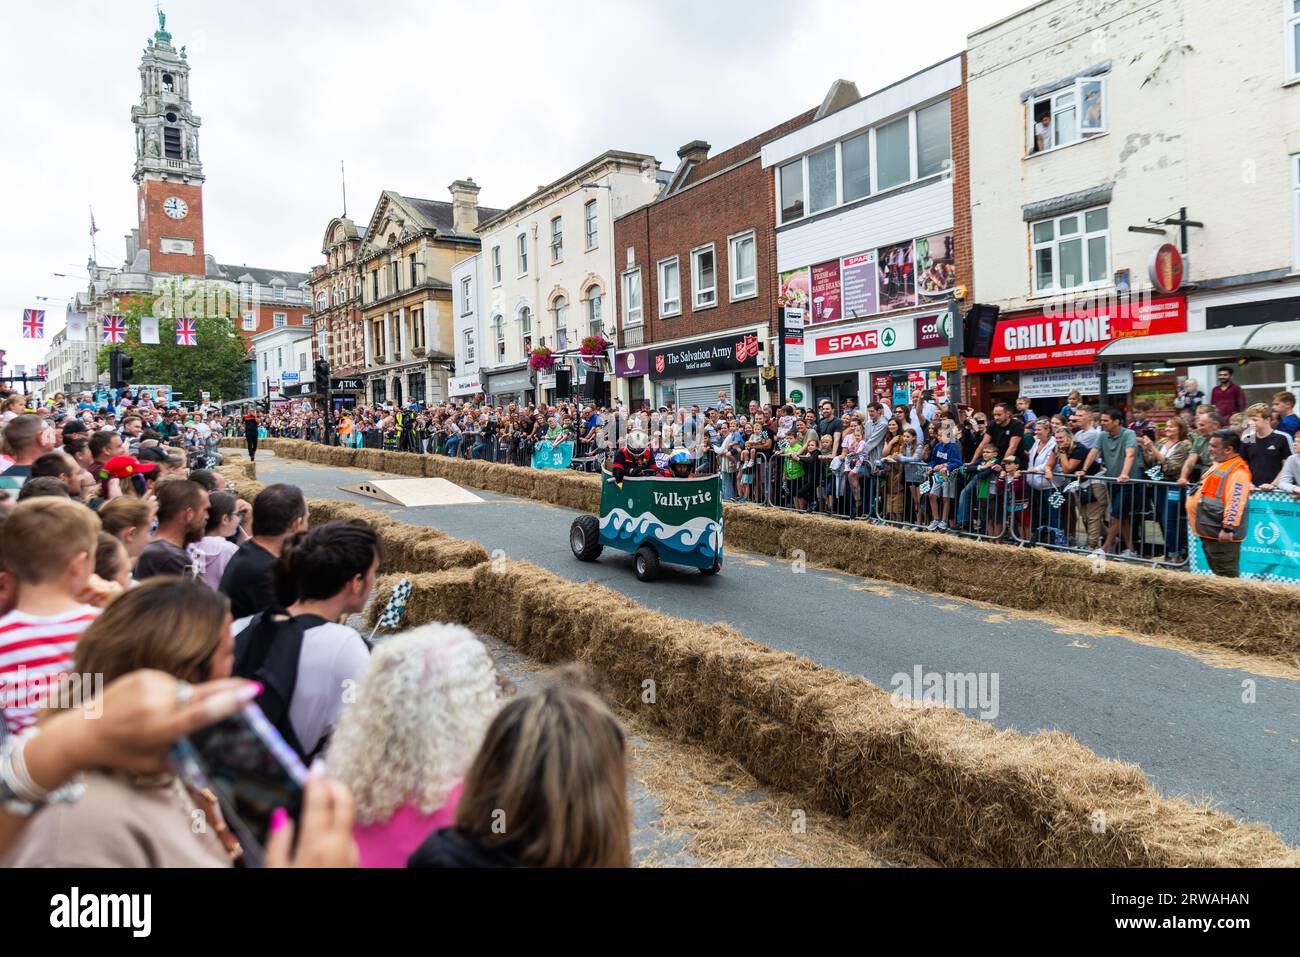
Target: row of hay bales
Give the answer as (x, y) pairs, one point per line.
(938, 782)
(1250, 617)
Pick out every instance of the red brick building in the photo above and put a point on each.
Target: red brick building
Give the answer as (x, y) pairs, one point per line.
(696, 296)
(336, 294)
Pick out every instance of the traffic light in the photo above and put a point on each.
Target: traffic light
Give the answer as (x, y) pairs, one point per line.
(121, 368)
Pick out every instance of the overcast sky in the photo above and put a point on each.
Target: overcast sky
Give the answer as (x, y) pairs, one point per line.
(412, 95)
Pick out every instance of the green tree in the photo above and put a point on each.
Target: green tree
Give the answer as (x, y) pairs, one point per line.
(218, 364)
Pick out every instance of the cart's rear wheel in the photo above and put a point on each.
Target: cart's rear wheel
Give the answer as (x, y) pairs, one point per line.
(584, 538)
(646, 563)
(712, 569)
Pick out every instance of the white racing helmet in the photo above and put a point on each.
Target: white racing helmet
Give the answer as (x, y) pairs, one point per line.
(637, 441)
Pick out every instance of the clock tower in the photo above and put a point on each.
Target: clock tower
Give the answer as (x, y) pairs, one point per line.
(168, 174)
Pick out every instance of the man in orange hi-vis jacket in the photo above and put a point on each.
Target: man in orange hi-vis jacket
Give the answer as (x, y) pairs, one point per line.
(1217, 512)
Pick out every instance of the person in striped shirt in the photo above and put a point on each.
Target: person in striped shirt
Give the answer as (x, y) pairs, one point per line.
(48, 545)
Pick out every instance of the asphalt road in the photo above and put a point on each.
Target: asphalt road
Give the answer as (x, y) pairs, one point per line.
(1184, 722)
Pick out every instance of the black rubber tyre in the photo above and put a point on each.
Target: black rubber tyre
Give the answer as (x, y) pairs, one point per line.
(646, 563)
(712, 569)
(584, 538)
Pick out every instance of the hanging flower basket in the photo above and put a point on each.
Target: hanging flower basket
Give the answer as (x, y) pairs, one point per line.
(594, 347)
(540, 360)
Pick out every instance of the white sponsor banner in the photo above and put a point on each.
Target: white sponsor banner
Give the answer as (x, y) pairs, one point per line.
(793, 333)
(464, 385)
(1053, 383)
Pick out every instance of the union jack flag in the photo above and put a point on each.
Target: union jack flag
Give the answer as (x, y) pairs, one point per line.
(40, 372)
(186, 334)
(33, 323)
(114, 329)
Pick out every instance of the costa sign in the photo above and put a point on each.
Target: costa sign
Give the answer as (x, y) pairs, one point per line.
(1073, 337)
(865, 340)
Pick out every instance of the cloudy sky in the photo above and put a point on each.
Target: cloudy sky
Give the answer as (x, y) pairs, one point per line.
(412, 95)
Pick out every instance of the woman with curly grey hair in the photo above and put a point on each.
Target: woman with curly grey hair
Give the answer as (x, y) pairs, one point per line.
(403, 747)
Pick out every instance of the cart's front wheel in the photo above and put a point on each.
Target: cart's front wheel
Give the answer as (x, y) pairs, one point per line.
(584, 538)
(646, 564)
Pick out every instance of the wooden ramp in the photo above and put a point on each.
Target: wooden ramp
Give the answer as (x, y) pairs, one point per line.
(414, 492)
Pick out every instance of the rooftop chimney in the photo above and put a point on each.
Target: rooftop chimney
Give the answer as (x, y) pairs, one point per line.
(696, 151)
(464, 206)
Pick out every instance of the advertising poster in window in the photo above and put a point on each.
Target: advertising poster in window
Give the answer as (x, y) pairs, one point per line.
(897, 278)
(858, 285)
(936, 272)
(882, 388)
(796, 288)
(826, 292)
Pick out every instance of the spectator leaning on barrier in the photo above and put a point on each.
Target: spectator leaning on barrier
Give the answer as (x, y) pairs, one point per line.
(1220, 509)
(1119, 458)
(1289, 480)
(1270, 449)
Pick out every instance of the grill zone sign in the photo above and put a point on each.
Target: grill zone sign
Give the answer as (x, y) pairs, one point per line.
(731, 352)
(1074, 337)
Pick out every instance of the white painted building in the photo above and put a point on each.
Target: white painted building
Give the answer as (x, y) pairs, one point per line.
(548, 267)
(1094, 123)
(283, 359)
(864, 229)
(468, 332)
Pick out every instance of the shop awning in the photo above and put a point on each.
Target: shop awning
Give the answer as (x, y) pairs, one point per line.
(1269, 340)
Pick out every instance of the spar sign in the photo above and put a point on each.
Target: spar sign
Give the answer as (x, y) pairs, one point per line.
(863, 340)
(1073, 337)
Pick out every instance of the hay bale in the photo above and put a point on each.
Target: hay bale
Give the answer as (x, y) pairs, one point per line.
(953, 788)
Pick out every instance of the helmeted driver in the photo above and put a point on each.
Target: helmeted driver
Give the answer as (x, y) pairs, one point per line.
(634, 458)
(680, 465)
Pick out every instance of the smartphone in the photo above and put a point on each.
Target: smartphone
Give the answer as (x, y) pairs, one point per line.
(246, 763)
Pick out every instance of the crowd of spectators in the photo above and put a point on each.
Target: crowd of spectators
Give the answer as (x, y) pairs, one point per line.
(184, 603)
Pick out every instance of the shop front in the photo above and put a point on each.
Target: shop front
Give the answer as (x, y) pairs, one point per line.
(1260, 380)
(695, 372)
(513, 384)
(883, 360)
(630, 369)
(1045, 354)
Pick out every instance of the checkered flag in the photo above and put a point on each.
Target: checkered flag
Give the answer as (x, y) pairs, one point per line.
(1056, 500)
(395, 608)
(1154, 473)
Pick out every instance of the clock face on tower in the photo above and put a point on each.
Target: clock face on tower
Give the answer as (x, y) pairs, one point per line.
(175, 207)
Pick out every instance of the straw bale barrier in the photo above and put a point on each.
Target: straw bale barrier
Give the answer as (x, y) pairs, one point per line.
(951, 787)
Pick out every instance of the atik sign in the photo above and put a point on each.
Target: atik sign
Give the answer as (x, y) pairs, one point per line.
(1074, 336)
(711, 355)
(864, 340)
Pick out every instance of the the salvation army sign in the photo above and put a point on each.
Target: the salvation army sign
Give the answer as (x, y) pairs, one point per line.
(863, 340)
(710, 355)
(1071, 337)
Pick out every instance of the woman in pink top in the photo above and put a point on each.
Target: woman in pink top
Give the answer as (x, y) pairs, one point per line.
(404, 745)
